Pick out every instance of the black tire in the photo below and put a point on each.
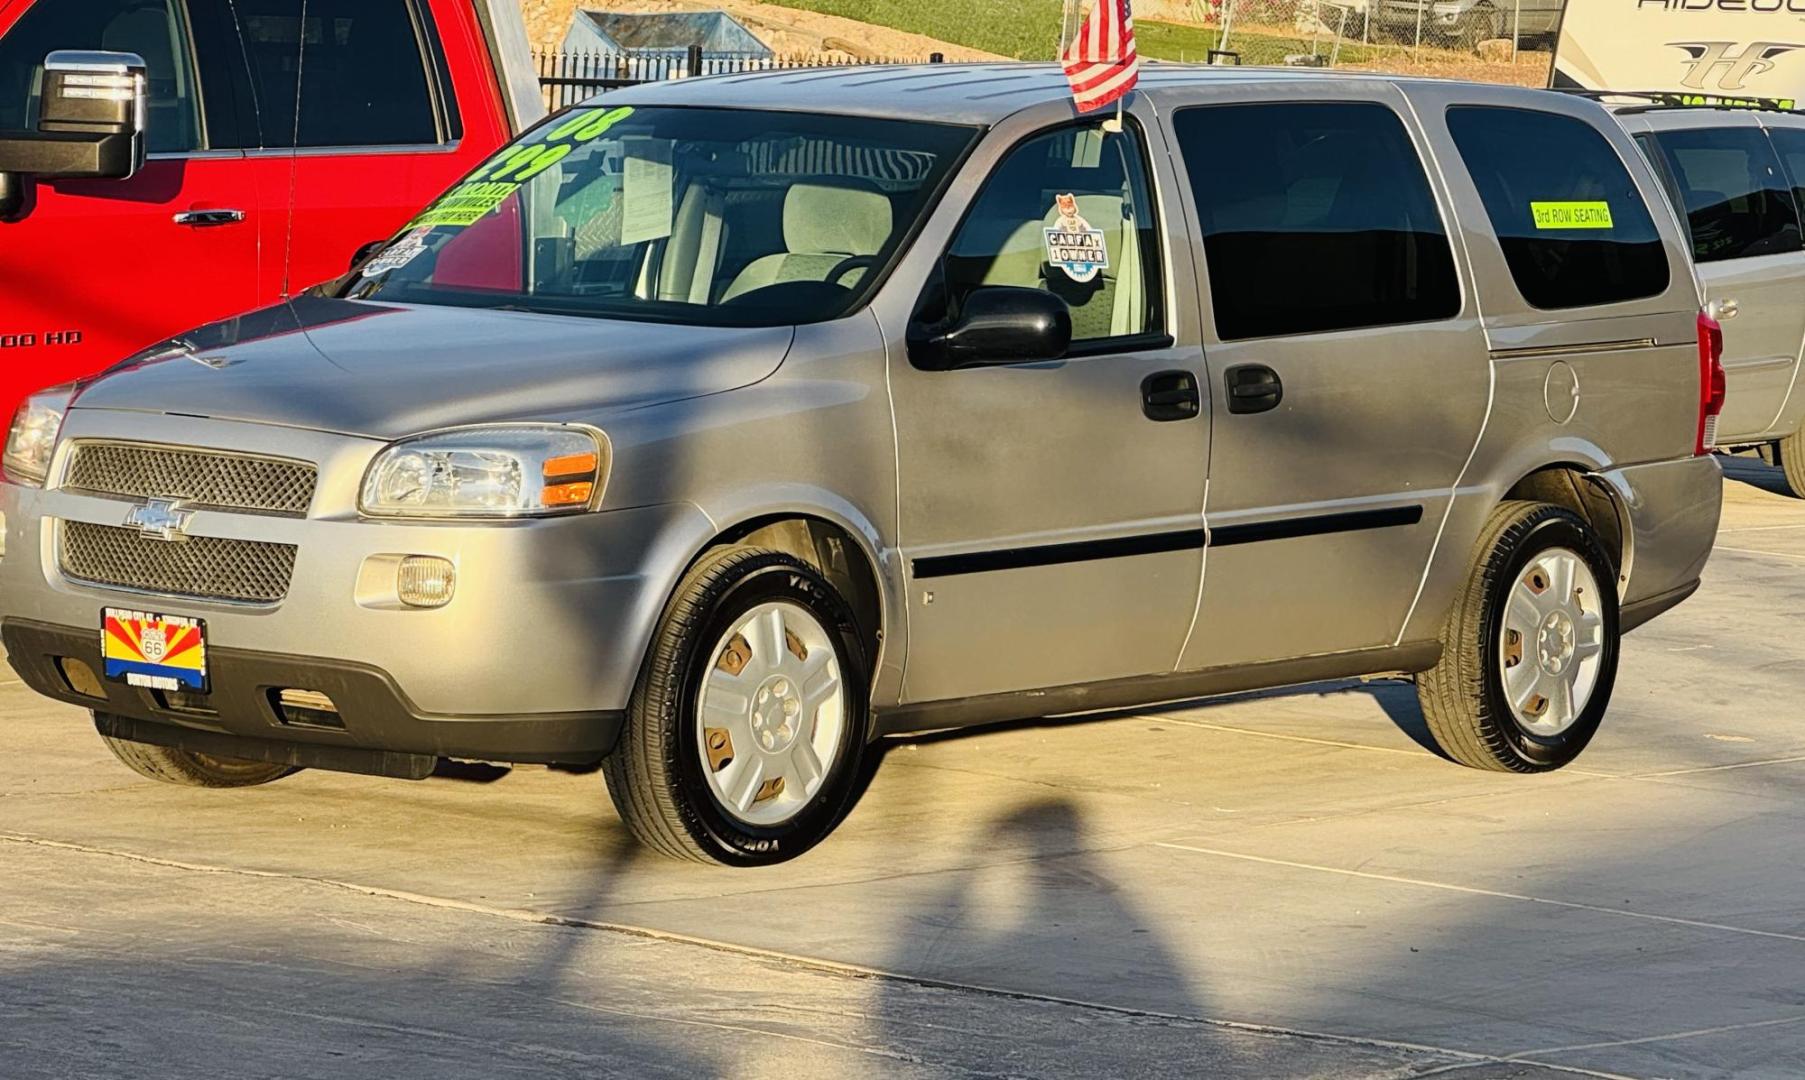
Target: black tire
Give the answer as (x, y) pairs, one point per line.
(1790, 456)
(190, 769)
(655, 776)
(1479, 24)
(1463, 695)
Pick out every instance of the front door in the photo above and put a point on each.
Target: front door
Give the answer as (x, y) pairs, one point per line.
(1348, 370)
(93, 271)
(1730, 186)
(368, 117)
(1051, 513)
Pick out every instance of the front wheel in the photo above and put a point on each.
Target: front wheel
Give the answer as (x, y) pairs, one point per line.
(745, 734)
(1529, 653)
(187, 768)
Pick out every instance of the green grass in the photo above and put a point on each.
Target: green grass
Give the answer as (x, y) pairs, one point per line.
(1171, 41)
(1028, 30)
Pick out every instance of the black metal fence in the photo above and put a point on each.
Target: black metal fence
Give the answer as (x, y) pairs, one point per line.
(567, 78)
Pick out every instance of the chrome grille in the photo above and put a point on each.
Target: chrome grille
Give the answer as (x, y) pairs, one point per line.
(204, 567)
(206, 478)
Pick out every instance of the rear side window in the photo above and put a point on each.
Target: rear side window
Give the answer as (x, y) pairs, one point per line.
(151, 28)
(1315, 217)
(1735, 196)
(1572, 223)
(1790, 142)
(330, 73)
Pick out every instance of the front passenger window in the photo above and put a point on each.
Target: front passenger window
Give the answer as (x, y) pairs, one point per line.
(1068, 212)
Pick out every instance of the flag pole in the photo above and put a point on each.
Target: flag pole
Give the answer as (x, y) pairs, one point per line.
(1114, 124)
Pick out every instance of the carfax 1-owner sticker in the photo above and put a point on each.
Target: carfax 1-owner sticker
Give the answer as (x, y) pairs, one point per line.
(1072, 245)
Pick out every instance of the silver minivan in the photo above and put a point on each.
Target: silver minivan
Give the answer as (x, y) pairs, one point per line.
(717, 429)
(1737, 177)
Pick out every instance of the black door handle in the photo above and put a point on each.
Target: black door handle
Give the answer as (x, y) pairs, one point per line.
(1253, 388)
(1170, 395)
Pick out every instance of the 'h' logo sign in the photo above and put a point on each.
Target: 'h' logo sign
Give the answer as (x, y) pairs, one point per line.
(1733, 70)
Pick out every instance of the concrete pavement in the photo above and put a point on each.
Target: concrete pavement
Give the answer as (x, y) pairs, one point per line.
(1272, 885)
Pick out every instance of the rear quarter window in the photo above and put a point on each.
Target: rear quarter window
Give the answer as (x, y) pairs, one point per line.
(1574, 228)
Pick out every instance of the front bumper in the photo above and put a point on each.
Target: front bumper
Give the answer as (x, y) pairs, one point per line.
(383, 731)
(534, 659)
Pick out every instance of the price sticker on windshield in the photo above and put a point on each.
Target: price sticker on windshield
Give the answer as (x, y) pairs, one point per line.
(503, 174)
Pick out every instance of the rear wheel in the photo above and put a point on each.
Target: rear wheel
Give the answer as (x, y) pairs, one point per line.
(189, 769)
(745, 734)
(1529, 654)
(1790, 453)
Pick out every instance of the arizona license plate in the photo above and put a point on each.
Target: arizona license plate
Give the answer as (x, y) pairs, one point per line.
(161, 652)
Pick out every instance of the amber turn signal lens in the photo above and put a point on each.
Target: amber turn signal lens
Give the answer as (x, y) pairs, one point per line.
(575, 494)
(583, 465)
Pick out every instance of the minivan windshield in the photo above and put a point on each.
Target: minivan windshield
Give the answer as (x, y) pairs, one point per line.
(725, 217)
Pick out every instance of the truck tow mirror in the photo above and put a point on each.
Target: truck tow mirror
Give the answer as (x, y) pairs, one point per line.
(91, 117)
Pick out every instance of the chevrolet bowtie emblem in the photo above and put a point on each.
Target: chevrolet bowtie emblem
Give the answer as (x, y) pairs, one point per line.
(160, 519)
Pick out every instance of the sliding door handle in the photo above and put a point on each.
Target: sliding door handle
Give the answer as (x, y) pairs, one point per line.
(1253, 388)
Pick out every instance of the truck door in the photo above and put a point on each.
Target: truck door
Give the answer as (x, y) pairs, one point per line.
(92, 271)
(386, 103)
(1737, 202)
(1348, 370)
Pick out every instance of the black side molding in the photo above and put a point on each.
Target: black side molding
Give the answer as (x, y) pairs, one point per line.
(981, 562)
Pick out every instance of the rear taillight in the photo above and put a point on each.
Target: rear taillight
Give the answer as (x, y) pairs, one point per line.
(1711, 386)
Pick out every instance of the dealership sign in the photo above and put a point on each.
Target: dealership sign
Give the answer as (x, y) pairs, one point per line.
(1710, 51)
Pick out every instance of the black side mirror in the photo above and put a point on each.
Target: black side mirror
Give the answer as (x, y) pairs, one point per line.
(998, 324)
(91, 119)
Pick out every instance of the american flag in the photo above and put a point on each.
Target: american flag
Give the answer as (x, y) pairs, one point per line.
(1100, 62)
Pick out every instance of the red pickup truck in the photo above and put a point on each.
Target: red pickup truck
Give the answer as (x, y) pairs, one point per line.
(282, 136)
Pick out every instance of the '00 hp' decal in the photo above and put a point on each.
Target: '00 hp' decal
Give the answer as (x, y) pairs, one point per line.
(32, 341)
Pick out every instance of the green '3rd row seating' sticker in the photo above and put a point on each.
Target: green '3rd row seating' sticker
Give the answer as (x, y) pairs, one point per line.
(1571, 215)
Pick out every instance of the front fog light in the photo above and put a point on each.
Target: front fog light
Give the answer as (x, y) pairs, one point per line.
(425, 581)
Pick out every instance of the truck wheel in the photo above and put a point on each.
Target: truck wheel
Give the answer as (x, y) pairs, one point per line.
(1529, 653)
(1790, 453)
(1479, 24)
(190, 769)
(745, 733)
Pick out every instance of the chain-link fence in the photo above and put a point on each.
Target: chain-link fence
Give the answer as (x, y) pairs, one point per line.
(567, 78)
(1497, 40)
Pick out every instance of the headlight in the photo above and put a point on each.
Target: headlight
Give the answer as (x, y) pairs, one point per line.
(33, 436)
(503, 471)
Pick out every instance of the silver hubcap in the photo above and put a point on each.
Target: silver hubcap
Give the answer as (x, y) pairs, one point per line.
(1551, 641)
(772, 710)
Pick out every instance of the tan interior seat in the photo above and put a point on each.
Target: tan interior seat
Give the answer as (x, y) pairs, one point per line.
(823, 226)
